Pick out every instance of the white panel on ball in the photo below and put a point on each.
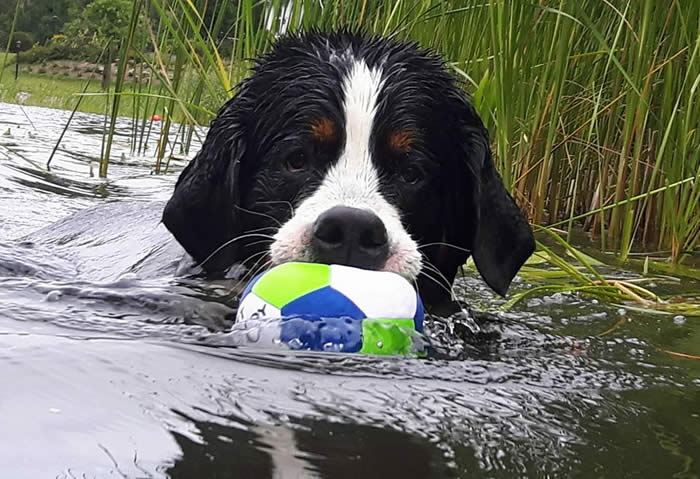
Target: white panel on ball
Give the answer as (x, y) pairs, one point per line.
(387, 296)
(254, 307)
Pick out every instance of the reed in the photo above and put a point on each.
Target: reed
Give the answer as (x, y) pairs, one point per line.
(6, 57)
(119, 85)
(559, 267)
(590, 103)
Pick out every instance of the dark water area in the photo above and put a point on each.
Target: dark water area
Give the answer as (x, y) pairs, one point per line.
(114, 366)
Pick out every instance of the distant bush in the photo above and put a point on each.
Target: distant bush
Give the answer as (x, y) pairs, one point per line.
(58, 48)
(26, 42)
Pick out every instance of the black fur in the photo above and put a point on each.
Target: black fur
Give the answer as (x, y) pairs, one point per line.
(238, 182)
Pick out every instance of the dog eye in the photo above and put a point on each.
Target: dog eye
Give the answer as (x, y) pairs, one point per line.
(295, 162)
(411, 175)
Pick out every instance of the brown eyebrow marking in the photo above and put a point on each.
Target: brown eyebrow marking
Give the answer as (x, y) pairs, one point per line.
(400, 141)
(323, 129)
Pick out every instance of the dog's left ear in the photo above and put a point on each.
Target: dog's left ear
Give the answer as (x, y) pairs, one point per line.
(201, 214)
(489, 223)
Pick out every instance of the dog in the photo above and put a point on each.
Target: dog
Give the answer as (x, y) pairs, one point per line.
(347, 148)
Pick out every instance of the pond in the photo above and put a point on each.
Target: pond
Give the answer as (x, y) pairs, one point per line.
(110, 372)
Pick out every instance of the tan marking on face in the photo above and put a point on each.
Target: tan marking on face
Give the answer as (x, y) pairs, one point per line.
(323, 129)
(401, 141)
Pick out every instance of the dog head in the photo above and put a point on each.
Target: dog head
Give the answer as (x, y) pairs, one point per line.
(349, 149)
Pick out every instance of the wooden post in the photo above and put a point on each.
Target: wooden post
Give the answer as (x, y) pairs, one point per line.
(19, 47)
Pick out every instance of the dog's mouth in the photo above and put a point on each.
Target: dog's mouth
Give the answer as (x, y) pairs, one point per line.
(376, 248)
(395, 263)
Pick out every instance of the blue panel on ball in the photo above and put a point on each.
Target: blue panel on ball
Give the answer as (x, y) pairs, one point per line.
(420, 314)
(325, 302)
(317, 334)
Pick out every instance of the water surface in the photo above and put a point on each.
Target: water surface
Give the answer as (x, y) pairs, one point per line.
(112, 366)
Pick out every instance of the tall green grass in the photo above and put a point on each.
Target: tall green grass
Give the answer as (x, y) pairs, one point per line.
(592, 105)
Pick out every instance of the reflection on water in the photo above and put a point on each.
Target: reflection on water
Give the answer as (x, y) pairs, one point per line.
(114, 366)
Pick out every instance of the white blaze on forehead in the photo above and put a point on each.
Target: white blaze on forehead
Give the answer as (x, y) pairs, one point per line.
(361, 88)
(353, 181)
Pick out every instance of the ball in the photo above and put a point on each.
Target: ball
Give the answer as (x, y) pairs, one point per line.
(332, 308)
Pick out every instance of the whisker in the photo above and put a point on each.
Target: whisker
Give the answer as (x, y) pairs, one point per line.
(262, 229)
(453, 296)
(250, 274)
(434, 269)
(257, 268)
(440, 243)
(442, 281)
(448, 290)
(447, 285)
(262, 241)
(254, 269)
(264, 215)
(291, 206)
(260, 254)
(233, 240)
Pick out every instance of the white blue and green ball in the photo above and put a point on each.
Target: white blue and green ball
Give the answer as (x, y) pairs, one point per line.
(334, 308)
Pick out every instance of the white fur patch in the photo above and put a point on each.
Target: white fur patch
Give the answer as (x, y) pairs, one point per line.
(353, 181)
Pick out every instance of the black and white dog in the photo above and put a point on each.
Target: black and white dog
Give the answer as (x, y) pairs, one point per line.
(350, 149)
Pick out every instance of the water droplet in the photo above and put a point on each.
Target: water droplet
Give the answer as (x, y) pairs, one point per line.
(53, 296)
(333, 347)
(253, 335)
(469, 322)
(380, 344)
(680, 319)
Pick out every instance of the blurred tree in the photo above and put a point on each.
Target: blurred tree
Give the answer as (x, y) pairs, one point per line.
(40, 18)
(101, 20)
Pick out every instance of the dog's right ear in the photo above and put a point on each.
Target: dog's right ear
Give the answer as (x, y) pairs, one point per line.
(202, 212)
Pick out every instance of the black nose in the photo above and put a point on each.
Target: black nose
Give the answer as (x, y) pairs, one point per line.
(350, 236)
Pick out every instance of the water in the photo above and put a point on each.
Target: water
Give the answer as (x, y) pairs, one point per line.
(113, 366)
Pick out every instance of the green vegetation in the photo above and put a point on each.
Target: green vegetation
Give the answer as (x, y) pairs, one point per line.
(592, 105)
(100, 21)
(56, 92)
(8, 58)
(41, 19)
(560, 267)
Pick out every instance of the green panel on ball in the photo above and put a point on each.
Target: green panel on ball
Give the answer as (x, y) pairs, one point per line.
(288, 281)
(387, 336)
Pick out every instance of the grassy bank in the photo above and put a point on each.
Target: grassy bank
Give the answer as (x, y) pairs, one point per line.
(53, 92)
(62, 92)
(7, 58)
